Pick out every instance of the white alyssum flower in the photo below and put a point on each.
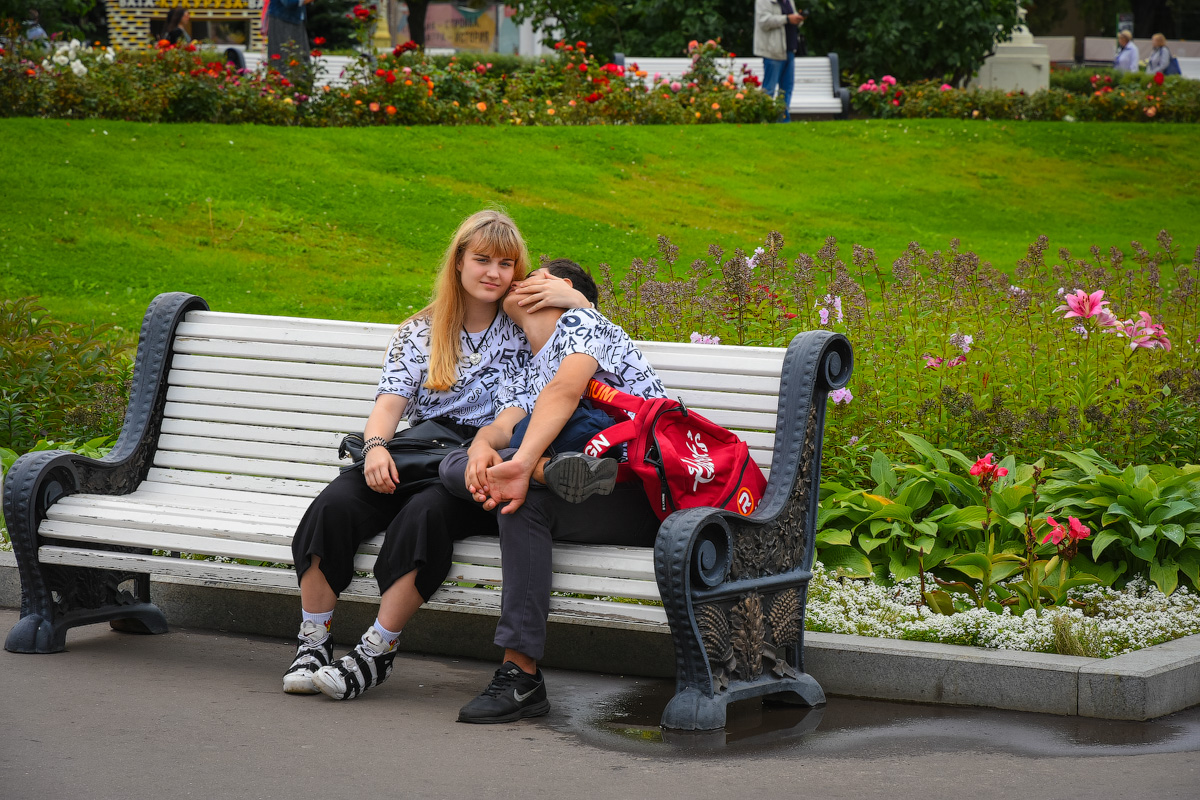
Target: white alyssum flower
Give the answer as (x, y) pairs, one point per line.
(1110, 623)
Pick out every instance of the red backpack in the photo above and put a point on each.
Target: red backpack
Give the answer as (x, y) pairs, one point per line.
(682, 459)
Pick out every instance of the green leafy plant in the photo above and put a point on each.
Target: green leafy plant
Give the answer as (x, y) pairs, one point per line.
(57, 379)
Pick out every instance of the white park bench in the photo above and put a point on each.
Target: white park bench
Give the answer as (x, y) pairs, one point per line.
(331, 70)
(818, 89)
(233, 427)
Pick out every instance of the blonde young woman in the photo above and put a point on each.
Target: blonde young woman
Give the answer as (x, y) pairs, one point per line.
(444, 363)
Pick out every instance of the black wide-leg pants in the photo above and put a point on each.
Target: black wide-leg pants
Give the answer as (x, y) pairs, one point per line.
(420, 528)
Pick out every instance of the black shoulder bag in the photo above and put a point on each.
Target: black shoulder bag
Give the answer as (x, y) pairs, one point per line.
(417, 451)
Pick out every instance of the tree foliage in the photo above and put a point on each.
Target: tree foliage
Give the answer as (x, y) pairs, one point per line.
(83, 19)
(910, 39)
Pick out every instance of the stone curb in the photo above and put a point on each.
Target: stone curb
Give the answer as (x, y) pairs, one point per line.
(1137, 686)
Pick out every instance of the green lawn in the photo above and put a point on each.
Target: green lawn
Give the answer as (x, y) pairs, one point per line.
(98, 217)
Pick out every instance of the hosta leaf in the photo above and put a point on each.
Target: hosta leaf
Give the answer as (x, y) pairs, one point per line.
(1078, 460)
(869, 543)
(1165, 575)
(1102, 540)
(959, 458)
(959, 518)
(916, 495)
(836, 536)
(1004, 570)
(973, 565)
(852, 563)
(925, 450)
(1189, 565)
(1144, 549)
(882, 472)
(1173, 532)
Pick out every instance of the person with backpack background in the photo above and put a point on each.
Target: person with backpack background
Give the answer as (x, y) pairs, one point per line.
(1160, 55)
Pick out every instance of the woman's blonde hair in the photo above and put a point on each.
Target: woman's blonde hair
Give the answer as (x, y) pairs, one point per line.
(489, 232)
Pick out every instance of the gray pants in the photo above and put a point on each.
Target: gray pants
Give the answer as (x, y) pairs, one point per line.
(287, 40)
(623, 517)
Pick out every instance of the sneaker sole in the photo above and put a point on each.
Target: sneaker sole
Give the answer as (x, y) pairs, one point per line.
(535, 710)
(303, 686)
(330, 691)
(577, 479)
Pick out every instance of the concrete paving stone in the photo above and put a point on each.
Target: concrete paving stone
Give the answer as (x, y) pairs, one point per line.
(1143, 684)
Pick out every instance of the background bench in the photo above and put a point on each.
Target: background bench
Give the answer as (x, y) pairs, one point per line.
(818, 87)
(233, 426)
(331, 70)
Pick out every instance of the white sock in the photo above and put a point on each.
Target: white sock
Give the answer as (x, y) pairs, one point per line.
(389, 639)
(322, 621)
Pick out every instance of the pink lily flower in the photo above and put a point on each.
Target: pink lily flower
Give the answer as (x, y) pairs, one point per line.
(1083, 305)
(933, 362)
(1143, 333)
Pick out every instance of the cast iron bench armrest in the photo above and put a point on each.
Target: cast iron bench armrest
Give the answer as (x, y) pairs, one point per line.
(38, 480)
(734, 587)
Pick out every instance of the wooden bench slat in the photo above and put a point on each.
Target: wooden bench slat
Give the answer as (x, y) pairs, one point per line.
(334, 326)
(220, 430)
(374, 341)
(273, 451)
(562, 582)
(717, 382)
(279, 352)
(175, 521)
(160, 540)
(193, 507)
(270, 401)
(253, 467)
(245, 483)
(367, 376)
(265, 418)
(259, 383)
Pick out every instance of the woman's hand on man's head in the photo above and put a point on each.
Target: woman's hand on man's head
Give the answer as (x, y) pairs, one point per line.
(541, 290)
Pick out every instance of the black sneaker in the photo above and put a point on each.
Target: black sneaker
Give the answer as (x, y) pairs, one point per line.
(315, 651)
(577, 476)
(512, 695)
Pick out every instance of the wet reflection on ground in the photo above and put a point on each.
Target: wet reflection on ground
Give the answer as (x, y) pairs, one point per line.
(867, 728)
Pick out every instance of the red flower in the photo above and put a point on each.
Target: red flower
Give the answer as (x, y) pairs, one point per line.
(390, 77)
(379, 73)
(581, 45)
(315, 53)
(1158, 78)
(191, 48)
(362, 13)
(319, 40)
(559, 45)
(985, 469)
(593, 97)
(31, 72)
(583, 67)
(276, 57)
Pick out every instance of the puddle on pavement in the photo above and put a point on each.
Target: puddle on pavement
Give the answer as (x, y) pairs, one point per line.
(869, 728)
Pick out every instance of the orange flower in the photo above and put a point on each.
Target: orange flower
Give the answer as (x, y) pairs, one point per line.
(718, 115)
(482, 106)
(390, 110)
(456, 104)
(550, 111)
(374, 106)
(408, 83)
(571, 103)
(358, 102)
(738, 96)
(697, 115)
(716, 106)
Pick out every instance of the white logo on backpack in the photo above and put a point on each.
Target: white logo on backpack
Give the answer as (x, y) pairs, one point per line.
(701, 465)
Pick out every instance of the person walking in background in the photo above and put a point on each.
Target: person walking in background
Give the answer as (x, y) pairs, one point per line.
(34, 32)
(1127, 53)
(175, 30)
(776, 39)
(286, 31)
(1160, 55)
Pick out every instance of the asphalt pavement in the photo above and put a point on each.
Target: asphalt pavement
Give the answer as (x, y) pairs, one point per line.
(200, 714)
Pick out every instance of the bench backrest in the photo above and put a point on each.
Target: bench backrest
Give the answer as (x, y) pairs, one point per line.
(815, 90)
(260, 403)
(331, 70)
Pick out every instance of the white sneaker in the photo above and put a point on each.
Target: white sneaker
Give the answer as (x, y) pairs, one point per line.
(360, 669)
(315, 651)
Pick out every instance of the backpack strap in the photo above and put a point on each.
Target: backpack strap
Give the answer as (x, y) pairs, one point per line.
(609, 399)
(608, 438)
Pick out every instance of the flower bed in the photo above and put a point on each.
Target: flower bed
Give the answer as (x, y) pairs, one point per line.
(1097, 97)
(403, 87)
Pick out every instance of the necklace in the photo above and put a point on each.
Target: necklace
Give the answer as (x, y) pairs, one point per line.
(474, 356)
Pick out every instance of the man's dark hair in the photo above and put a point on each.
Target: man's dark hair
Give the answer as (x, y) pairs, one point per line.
(566, 268)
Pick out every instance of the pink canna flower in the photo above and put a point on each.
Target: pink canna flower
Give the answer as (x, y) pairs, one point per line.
(1077, 529)
(957, 361)
(945, 87)
(1056, 533)
(1083, 305)
(986, 469)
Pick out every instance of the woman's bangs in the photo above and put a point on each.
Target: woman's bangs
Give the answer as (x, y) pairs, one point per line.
(497, 239)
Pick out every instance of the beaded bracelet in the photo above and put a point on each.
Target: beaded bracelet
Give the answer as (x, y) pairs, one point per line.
(374, 441)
